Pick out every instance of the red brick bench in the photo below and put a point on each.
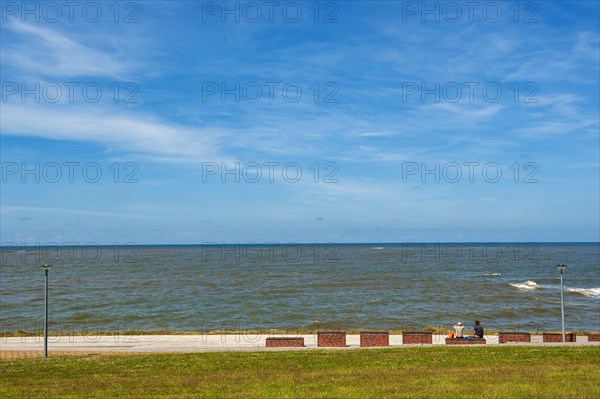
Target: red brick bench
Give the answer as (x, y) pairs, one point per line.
(331, 338)
(285, 342)
(557, 337)
(416, 337)
(465, 341)
(504, 337)
(594, 337)
(374, 338)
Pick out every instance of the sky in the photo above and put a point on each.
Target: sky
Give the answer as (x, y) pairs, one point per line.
(188, 122)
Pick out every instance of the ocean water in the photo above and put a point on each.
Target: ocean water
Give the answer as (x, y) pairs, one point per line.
(289, 286)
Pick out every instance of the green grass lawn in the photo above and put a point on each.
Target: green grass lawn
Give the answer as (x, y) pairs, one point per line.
(435, 372)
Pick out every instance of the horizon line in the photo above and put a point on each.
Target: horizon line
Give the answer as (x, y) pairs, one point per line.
(212, 243)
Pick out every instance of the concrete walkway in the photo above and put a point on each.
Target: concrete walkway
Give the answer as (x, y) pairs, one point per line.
(206, 343)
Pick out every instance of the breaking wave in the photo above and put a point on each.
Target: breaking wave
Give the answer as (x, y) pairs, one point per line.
(527, 285)
(591, 292)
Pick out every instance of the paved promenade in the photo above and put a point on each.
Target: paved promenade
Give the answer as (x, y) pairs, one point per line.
(205, 343)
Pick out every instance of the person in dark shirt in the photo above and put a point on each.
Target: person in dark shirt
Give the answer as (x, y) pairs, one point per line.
(478, 330)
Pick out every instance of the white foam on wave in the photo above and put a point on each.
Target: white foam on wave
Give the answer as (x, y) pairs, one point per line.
(591, 292)
(527, 285)
(376, 247)
(491, 274)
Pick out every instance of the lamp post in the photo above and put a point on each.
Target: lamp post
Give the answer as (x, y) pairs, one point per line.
(46, 268)
(561, 268)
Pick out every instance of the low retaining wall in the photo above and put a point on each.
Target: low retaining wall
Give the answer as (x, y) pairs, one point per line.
(374, 338)
(465, 341)
(557, 337)
(331, 339)
(504, 337)
(416, 337)
(285, 342)
(595, 337)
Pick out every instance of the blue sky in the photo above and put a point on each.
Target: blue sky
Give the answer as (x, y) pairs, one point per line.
(386, 94)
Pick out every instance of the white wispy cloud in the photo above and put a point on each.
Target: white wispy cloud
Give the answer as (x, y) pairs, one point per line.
(553, 128)
(471, 111)
(558, 114)
(569, 58)
(50, 53)
(116, 130)
(6, 209)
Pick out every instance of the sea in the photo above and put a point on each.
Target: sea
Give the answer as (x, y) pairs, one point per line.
(222, 287)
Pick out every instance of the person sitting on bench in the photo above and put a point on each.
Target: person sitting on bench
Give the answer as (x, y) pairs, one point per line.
(478, 330)
(459, 327)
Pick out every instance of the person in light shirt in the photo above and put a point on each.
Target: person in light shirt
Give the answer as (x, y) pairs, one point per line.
(459, 327)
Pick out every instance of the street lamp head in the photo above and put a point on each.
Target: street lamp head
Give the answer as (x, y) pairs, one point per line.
(561, 268)
(46, 266)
